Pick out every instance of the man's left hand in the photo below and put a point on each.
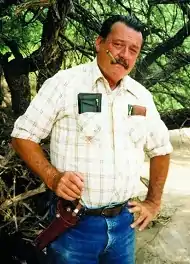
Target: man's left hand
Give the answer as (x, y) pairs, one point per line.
(147, 211)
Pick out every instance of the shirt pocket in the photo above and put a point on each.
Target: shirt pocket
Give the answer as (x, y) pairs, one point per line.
(90, 124)
(137, 129)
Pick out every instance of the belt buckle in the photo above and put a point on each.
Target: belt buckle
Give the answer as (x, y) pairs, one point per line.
(105, 208)
(113, 206)
(103, 211)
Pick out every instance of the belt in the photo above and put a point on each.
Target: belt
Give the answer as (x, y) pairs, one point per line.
(108, 211)
(66, 219)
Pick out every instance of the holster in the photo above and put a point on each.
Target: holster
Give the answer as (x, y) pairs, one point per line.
(63, 220)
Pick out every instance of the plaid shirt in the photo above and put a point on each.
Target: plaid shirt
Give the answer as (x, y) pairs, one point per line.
(107, 147)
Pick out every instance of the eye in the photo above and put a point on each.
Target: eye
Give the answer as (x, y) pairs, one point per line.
(117, 45)
(134, 51)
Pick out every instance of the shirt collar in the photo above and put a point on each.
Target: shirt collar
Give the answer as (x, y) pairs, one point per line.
(96, 73)
(126, 84)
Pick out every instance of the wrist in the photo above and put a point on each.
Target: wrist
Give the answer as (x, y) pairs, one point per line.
(153, 202)
(53, 178)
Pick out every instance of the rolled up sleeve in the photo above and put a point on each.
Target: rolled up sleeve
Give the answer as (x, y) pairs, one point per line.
(36, 123)
(158, 139)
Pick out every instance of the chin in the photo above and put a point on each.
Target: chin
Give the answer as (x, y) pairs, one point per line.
(120, 74)
(119, 77)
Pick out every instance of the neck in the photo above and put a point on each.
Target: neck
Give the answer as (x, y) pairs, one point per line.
(112, 83)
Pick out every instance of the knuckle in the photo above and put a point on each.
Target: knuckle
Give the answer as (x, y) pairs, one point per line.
(62, 178)
(72, 176)
(64, 196)
(66, 175)
(68, 198)
(73, 186)
(71, 193)
(59, 184)
(57, 193)
(143, 213)
(141, 219)
(60, 194)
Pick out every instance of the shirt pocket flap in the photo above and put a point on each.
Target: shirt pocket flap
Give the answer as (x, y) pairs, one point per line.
(90, 123)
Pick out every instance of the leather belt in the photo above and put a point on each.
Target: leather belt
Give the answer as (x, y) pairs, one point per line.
(67, 215)
(108, 211)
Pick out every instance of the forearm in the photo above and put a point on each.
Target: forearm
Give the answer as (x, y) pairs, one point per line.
(35, 159)
(158, 173)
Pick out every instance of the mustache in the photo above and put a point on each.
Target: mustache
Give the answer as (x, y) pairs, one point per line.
(118, 60)
(122, 62)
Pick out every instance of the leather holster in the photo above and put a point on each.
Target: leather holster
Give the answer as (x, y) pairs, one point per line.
(64, 219)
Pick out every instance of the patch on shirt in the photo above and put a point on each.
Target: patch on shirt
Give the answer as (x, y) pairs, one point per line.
(136, 110)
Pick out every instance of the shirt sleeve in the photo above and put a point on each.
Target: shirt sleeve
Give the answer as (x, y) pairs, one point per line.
(158, 139)
(36, 123)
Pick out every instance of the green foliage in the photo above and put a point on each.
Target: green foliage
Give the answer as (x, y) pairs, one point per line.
(18, 28)
(162, 23)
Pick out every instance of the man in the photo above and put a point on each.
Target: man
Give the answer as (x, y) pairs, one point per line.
(100, 121)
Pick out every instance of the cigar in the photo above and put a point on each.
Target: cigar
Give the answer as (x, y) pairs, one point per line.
(113, 60)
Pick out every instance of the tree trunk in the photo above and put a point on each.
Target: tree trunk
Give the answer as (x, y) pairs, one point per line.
(47, 59)
(17, 78)
(1, 87)
(52, 52)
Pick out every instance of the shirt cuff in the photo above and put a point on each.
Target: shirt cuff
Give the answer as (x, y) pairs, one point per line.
(160, 151)
(23, 134)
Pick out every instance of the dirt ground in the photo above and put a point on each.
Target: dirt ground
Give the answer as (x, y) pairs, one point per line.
(169, 241)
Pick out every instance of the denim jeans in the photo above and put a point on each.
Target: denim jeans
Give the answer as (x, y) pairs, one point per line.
(96, 240)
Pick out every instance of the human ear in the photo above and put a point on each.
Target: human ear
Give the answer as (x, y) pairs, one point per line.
(98, 42)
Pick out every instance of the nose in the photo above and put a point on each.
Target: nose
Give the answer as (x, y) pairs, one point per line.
(124, 52)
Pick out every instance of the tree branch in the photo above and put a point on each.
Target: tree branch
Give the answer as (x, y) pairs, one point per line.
(161, 49)
(158, 2)
(22, 197)
(85, 18)
(124, 7)
(165, 74)
(185, 9)
(34, 4)
(13, 47)
(79, 48)
(6, 3)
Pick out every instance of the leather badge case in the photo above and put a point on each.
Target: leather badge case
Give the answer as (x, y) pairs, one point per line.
(89, 102)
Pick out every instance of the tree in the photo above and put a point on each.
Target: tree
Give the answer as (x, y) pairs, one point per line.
(66, 32)
(47, 59)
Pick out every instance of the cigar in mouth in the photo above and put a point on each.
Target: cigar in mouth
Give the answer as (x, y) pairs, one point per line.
(113, 60)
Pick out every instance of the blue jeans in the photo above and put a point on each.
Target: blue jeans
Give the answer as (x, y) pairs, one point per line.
(96, 240)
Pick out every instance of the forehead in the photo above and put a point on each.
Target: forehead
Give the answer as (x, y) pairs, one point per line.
(123, 32)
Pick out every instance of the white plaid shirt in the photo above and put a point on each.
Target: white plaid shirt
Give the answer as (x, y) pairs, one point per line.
(107, 147)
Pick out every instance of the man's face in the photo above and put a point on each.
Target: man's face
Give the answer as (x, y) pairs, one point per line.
(124, 43)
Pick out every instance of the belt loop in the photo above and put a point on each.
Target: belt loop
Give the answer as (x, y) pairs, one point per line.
(103, 209)
(123, 205)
